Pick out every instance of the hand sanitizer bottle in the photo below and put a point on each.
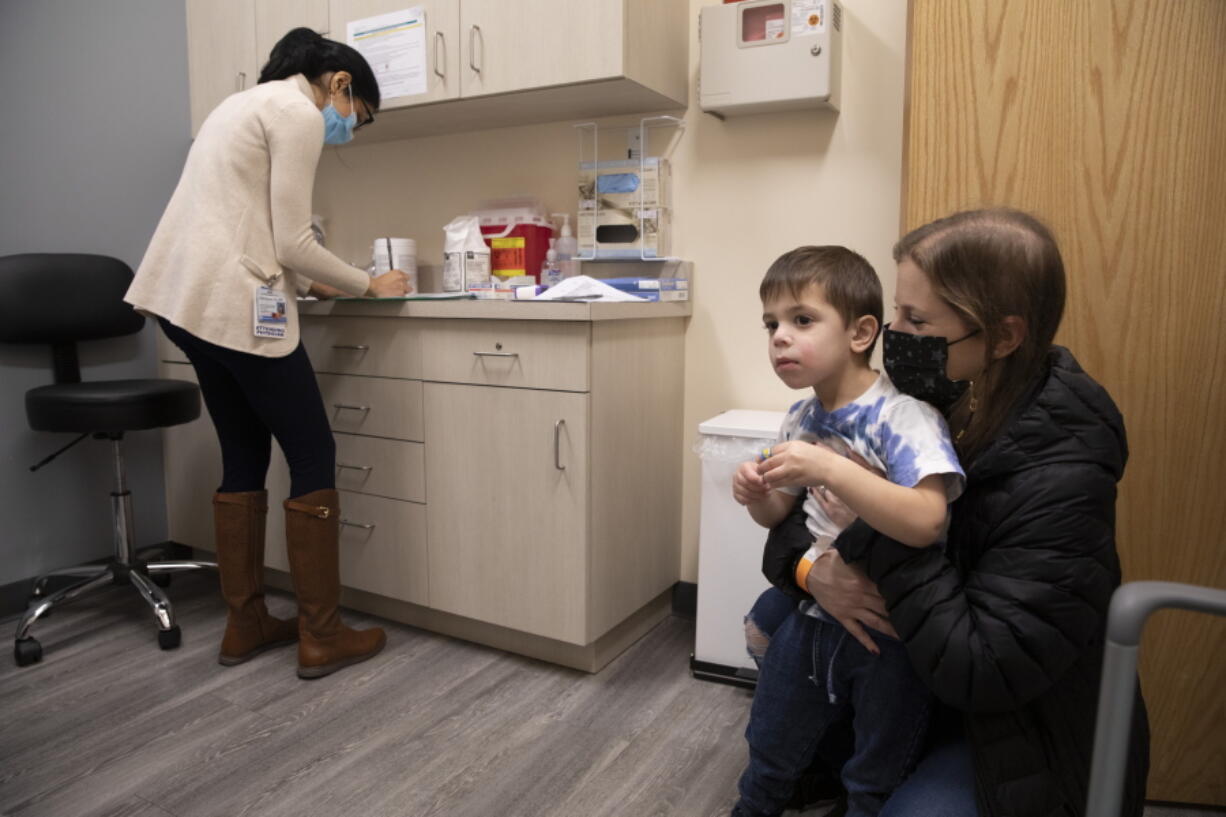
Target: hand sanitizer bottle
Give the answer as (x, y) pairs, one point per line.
(568, 248)
(551, 272)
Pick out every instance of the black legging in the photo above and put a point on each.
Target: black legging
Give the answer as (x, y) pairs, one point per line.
(252, 399)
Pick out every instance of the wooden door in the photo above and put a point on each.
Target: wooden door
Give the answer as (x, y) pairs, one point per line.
(221, 56)
(507, 527)
(1107, 119)
(442, 23)
(516, 45)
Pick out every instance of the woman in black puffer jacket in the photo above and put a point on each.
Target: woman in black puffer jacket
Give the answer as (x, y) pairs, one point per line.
(1006, 623)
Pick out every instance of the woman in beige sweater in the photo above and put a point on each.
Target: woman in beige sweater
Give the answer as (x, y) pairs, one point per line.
(221, 273)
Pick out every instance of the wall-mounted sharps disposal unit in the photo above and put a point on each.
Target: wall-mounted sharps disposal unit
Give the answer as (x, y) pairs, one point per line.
(769, 55)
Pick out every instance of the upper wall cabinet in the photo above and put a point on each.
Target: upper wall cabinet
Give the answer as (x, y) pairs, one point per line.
(524, 44)
(442, 19)
(228, 41)
(489, 63)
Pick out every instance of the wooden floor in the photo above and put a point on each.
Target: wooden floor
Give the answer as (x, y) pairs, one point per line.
(108, 725)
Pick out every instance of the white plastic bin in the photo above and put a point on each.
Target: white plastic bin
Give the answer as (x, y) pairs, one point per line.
(729, 545)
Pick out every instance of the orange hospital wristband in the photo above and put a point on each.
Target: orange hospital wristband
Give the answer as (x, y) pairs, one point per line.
(802, 571)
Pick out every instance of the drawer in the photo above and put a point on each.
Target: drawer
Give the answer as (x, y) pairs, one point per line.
(383, 347)
(528, 354)
(388, 468)
(383, 547)
(373, 405)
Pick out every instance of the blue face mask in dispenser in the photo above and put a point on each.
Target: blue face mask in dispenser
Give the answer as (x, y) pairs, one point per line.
(339, 129)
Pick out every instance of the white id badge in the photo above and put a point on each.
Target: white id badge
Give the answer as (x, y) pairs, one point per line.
(270, 317)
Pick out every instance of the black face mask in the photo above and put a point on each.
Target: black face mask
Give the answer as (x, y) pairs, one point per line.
(916, 365)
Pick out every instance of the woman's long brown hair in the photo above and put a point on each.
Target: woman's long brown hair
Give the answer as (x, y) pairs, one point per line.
(988, 265)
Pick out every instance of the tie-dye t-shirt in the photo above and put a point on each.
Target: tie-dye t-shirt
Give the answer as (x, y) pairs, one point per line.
(897, 436)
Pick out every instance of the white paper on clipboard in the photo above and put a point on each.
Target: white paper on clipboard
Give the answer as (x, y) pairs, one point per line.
(395, 46)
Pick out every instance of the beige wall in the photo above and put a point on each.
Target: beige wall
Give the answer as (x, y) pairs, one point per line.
(746, 190)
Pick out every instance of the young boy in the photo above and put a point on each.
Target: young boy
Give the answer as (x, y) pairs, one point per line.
(889, 459)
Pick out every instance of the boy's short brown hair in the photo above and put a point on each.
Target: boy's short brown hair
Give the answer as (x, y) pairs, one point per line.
(849, 282)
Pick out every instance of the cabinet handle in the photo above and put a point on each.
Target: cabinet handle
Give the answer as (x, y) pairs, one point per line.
(365, 468)
(352, 347)
(557, 445)
(473, 33)
(351, 407)
(362, 525)
(240, 81)
(496, 354)
(440, 45)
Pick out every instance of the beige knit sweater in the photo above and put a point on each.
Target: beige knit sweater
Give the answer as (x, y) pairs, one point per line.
(241, 216)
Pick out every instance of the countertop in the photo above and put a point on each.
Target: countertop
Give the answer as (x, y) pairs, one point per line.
(497, 310)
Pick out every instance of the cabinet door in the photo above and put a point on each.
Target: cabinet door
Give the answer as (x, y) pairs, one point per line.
(515, 45)
(192, 463)
(507, 483)
(274, 18)
(442, 18)
(221, 54)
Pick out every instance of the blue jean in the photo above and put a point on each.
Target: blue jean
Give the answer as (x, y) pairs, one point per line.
(942, 785)
(767, 615)
(813, 677)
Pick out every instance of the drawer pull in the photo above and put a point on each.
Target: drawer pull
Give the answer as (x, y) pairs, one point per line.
(496, 354)
(351, 407)
(557, 445)
(352, 347)
(364, 468)
(362, 525)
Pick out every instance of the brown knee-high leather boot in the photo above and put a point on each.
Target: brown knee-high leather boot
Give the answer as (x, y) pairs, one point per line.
(312, 534)
(238, 522)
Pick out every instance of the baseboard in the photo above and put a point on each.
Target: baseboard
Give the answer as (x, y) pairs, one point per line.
(685, 600)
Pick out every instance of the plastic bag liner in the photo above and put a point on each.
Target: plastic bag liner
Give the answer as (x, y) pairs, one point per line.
(722, 448)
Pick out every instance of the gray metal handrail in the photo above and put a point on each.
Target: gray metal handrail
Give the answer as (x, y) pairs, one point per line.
(1131, 606)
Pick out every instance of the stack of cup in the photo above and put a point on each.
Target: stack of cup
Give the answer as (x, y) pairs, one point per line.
(396, 253)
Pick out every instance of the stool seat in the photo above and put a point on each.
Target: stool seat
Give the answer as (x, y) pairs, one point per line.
(112, 405)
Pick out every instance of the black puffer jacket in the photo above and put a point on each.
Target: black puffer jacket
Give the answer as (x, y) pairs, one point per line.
(1007, 623)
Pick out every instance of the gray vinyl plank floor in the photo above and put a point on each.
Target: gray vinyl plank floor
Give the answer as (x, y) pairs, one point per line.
(108, 725)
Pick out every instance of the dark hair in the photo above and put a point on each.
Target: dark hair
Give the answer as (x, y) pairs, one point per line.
(849, 282)
(302, 51)
(989, 265)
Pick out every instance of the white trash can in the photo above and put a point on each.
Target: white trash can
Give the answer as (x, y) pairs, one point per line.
(729, 546)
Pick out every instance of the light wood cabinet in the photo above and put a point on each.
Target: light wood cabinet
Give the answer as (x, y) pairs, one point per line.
(275, 18)
(508, 507)
(488, 63)
(221, 52)
(442, 24)
(191, 462)
(228, 42)
(517, 45)
(508, 479)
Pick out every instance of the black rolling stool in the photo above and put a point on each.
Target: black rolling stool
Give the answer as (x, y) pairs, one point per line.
(86, 303)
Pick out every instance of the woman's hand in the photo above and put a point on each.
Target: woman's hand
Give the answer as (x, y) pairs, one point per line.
(847, 594)
(391, 284)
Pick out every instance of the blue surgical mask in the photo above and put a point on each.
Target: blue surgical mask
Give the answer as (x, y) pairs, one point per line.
(339, 129)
